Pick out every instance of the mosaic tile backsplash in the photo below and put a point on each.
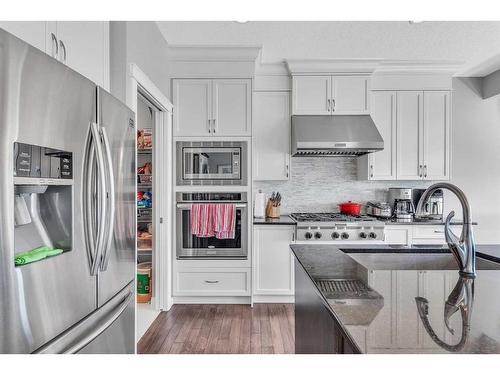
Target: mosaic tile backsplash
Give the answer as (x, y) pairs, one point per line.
(319, 184)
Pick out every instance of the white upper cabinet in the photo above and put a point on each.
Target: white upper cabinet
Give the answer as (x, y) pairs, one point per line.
(273, 260)
(32, 32)
(232, 114)
(192, 99)
(311, 95)
(271, 135)
(212, 107)
(330, 95)
(436, 135)
(382, 164)
(83, 46)
(349, 95)
(409, 140)
(418, 146)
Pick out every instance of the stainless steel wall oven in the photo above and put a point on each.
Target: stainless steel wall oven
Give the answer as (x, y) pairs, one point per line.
(190, 246)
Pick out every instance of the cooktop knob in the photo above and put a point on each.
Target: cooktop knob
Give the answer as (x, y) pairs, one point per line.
(308, 235)
(373, 235)
(345, 236)
(317, 235)
(335, 235)
(362, 235)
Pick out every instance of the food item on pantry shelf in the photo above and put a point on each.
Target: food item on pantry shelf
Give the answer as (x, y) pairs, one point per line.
(147, 168)
(144, 139)
(144, 282)
(144, 199)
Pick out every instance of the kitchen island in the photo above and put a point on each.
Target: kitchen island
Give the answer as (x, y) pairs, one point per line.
(361, 299)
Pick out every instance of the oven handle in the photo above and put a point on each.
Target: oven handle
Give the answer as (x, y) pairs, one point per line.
(188, 205)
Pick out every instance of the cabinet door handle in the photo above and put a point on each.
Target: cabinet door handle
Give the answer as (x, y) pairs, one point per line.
(209, 127)
(333, 105)
(215, 126)
(371, 170)
(286, 170)
(211, 281)
(293, 236)
(54, 43)
(63, 49)
(425, 171)
(328, 104)
(420, 171)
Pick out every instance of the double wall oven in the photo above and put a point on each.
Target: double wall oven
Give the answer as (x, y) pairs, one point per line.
(190, 246)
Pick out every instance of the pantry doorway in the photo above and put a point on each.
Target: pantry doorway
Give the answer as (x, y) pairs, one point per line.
(154, 198)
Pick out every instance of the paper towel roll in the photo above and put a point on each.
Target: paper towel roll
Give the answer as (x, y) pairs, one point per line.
(259, 207)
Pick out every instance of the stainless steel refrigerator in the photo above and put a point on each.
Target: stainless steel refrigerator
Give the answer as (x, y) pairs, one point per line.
(67, 182)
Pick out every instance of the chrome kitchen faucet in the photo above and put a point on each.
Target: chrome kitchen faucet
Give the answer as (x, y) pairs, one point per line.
(463, 248)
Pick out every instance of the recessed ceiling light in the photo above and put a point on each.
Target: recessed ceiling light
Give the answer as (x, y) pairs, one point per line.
(414, 22)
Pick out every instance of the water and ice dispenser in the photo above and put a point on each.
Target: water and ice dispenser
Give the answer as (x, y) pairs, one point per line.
(43, 202)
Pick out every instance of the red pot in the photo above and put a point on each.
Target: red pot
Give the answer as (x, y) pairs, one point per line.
(350, 208)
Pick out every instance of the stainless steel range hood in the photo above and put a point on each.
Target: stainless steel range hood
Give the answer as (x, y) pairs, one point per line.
(338, 135)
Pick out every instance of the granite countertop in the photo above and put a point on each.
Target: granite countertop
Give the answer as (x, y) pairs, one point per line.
(386, 319)
(287, 220)
(283, 220)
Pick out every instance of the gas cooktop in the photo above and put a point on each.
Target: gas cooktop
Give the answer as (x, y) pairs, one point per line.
(336, 227)
(329, 217)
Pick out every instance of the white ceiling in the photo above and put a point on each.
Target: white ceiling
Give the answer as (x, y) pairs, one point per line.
(474, 43)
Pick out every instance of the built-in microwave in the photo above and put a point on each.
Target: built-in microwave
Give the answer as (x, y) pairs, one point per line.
(211, 163)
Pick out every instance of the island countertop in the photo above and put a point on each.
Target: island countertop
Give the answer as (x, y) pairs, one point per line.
(385, 319)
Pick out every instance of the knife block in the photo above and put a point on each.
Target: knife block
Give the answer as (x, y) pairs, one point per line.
(272, 211)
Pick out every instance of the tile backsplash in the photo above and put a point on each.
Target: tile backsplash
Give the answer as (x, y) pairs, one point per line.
(319, 184)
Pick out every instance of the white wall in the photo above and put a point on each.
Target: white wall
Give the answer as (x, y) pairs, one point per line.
(476, 156)
(140, 43)
(472, 42)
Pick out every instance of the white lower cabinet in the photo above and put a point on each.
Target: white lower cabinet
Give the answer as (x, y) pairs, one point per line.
(273, 268)
(417, 234)
(397, 326)
(231, 282)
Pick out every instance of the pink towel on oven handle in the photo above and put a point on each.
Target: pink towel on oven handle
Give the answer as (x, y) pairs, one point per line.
(225, 220)
(202, 220)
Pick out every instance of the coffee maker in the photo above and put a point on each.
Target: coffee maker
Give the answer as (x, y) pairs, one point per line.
(433, 208)
(403, 208)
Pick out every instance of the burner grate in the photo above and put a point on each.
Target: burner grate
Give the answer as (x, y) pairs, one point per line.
(328, 216)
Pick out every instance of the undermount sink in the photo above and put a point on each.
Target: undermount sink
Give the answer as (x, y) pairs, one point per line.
(425, 258)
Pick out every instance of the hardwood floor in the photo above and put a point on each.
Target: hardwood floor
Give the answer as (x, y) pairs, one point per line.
(197, 329)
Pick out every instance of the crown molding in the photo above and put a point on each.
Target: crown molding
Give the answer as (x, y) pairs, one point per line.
(361, 66)
(417, 67)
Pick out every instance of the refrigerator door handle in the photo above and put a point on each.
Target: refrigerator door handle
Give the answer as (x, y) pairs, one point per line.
(115, 314)
(96, 249)
(83, 333)
(111, 200)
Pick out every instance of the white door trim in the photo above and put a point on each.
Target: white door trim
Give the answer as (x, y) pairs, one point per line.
(162, 267)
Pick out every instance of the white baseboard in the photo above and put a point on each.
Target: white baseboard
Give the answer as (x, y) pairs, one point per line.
(212, 300)
(273, 299)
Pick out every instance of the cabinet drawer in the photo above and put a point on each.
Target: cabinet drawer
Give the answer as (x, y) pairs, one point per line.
(212, 282)
(428, 234)
(397, 236)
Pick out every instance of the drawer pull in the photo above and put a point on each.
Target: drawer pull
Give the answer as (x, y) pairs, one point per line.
(211, 281)
(439, 231)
